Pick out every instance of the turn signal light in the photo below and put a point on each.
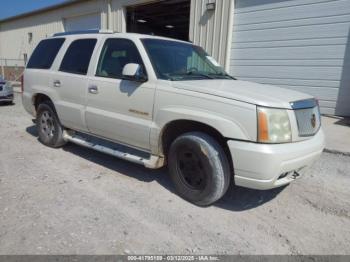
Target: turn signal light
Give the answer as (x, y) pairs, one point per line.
(263, 128)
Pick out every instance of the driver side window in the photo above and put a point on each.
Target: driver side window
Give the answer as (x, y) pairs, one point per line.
(116, 53)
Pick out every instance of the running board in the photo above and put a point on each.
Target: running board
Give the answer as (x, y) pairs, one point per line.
(120, 151)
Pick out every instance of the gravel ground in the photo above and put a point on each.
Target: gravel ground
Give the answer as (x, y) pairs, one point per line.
(77, 201)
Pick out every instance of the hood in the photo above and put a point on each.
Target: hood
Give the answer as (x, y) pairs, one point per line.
(244, 91)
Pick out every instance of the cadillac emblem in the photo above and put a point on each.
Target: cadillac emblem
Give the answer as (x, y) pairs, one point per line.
(313, 120)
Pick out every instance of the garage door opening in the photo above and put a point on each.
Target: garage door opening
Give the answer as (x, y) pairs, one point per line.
(170, 18)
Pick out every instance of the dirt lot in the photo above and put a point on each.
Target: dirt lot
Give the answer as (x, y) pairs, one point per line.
(77, 201)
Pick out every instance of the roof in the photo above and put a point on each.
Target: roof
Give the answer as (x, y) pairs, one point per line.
(41, 10)
(101, 33)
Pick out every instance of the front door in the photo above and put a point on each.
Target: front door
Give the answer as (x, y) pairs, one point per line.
(119, 110)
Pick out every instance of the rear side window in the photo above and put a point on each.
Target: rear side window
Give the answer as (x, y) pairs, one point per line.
(78, 56)
(45, 53)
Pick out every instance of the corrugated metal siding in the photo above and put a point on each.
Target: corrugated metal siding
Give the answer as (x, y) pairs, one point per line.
(212, 29)
(209, 29)
(83, 22)
(297, 44)
(118, 9)
(14, 34)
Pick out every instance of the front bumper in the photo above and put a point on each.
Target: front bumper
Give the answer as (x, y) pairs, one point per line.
(266, 166)
(6, 98)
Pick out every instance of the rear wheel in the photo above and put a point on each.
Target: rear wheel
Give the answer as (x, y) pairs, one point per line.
(199, 168)
(49, 127)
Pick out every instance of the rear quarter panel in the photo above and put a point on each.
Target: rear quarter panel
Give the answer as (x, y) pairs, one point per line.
(36, 81)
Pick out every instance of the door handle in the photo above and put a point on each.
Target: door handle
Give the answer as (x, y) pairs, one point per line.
(57, 83)
(93, 89)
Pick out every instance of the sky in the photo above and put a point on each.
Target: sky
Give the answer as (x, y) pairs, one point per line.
(10, 8)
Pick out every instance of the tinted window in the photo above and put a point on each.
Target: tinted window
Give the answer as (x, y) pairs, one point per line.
(77, 58)
(116, 53)
(45, 53)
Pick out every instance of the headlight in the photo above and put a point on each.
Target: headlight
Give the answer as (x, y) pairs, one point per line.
(273, 125)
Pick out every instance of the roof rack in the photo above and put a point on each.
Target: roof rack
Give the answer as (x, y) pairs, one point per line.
(81, 32)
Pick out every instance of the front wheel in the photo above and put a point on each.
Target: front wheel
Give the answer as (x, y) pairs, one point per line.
(199, 168)
(49, 127)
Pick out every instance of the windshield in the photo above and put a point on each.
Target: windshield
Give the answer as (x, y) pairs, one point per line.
(178, 61)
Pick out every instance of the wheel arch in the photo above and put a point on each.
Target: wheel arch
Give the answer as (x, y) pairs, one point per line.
(217, 124)
(176, 128)
(38, 98)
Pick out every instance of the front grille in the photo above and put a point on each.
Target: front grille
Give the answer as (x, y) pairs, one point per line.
(309, 120)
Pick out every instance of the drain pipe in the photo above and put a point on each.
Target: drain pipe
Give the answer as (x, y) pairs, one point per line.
(2, 68)
(109, 15)
(229, 36)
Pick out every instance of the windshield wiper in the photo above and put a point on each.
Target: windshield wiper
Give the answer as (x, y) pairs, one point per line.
(229, 76)
(188, 75)
(223, 75)
(195, 73)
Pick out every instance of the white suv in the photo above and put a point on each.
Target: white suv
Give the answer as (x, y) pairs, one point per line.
(157, 101)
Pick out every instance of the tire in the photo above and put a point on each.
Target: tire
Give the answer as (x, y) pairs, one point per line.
(199, 168)
(49, 127)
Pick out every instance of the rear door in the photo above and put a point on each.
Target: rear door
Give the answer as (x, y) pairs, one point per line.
(71, 83)
(38, 71)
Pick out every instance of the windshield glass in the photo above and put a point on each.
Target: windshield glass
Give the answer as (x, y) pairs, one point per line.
(178, 61)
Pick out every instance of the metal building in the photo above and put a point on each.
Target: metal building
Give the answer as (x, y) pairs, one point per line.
(297, 44)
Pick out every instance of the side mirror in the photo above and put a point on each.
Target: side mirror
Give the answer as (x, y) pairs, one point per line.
(134, 72)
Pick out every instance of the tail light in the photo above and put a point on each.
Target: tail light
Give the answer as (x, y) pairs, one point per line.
(22, 83)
